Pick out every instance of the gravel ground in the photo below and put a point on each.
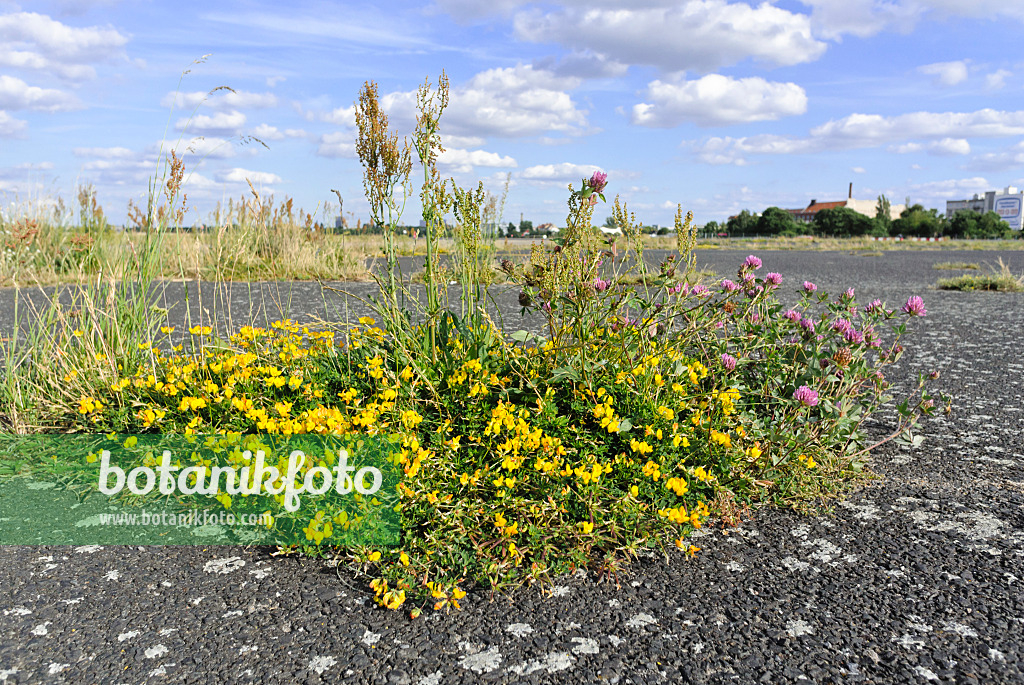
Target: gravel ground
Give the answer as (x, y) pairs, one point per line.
(916, 577)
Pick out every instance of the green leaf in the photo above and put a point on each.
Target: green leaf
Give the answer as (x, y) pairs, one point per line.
(625, 425)
(522, 336)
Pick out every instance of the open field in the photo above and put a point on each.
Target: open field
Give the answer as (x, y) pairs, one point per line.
(915, 577)
(37, 252)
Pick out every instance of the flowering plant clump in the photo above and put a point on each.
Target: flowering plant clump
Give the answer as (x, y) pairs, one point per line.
(625, 424)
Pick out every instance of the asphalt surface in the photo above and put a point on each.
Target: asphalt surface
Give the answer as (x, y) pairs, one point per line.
(916, 577)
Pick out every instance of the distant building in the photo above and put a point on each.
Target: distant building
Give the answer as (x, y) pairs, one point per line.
(807, 214)
(1008, 204)
(870, 208)
(982, 204)
(866, 207)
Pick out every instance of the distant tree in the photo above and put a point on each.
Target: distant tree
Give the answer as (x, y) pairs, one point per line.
(510, 229)
(917, 221)
(775, 221)
(842, 221)
(526, 226)
(711, 227)
(609, 222)
(964, 224)
(990, 225)
(883, 215)
(742, 223)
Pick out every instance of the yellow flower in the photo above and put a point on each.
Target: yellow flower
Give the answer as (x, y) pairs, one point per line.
(586, 527)
(678, 486)
(404, 559)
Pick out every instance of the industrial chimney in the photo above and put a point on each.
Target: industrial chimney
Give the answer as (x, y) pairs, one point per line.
(849, 195)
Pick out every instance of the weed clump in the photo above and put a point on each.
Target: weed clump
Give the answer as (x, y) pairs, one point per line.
(643, 403)
(997, 280)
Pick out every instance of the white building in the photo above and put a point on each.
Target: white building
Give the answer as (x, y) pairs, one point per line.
(870, 208)
(1007, 203)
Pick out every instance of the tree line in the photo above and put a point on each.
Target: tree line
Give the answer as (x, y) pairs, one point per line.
(914, 221)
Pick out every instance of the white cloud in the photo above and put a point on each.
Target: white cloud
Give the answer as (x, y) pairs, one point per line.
(862, 18)
(832, 19)
(975, 8)
(946, 73)
(268, 132)
(585, 64)
(221, 123)
(463, 161)
(34, 166)
(566, 172)
(222, 99)
(257, 178)
(716, 100)
(906, 148)
(874, 130)
(512, 102)
(858, 170)
(337, 144)
(453, 141)
(37, 42)
(104, 152)
(948, 189)
(696, 34)
(194, 181)
(16, 94)
(950, 146)
(998, 162)
(202, 147)
(11, 127)
(997, 79)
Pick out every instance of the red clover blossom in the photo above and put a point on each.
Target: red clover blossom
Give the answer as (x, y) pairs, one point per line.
(806, 396)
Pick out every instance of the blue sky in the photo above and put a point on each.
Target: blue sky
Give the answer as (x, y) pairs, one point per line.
(718, 105)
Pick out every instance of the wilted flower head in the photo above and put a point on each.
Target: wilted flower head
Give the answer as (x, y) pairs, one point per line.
(915, 307)
(773, 278)
(598, 180)
(809, 287)
(729, 362)
(806, 396)
(752, 262)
